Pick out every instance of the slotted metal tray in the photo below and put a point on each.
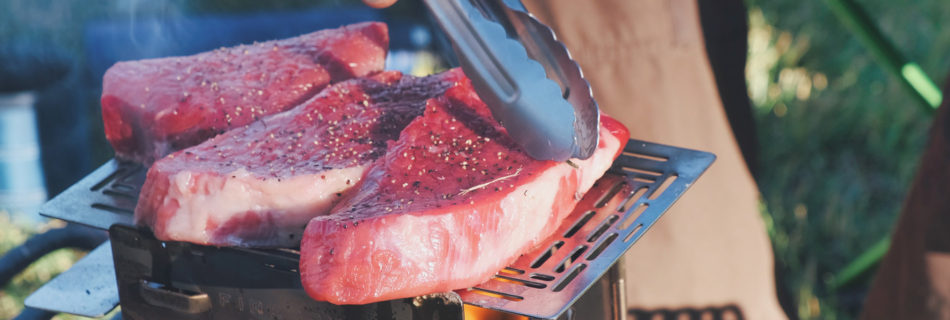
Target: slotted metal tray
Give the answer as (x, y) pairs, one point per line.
(642, 184)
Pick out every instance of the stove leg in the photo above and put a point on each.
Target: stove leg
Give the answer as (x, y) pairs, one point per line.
(606, 299)
(615, 274)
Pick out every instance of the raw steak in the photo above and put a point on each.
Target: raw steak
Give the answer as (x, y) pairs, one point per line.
(153, 107)
(452, 202)
(260, 184)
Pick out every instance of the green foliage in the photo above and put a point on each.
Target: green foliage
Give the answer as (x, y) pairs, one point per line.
(38, 273)
(840, 138)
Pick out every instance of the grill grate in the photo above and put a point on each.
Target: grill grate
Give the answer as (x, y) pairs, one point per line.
(109, 195)
(644, 181)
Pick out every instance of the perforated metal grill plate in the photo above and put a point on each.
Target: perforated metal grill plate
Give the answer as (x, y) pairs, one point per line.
(105, 197)
(643, 182)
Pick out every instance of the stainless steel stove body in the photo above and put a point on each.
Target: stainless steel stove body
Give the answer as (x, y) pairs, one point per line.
(573, 274)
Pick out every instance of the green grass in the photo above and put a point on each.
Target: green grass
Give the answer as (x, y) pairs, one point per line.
(840, 138)
(38, 273)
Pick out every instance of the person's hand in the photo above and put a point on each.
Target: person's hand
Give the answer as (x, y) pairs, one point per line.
(379, 4)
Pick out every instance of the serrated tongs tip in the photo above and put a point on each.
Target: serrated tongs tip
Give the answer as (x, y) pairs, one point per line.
(524, 74)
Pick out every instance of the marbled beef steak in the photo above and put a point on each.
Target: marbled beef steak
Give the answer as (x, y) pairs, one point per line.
(259, 184)
(451, 202)
(153, 107)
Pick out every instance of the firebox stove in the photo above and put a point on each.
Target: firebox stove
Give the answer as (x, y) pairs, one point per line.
(575, 274)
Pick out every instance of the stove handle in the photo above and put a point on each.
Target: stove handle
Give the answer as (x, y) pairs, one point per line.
(178, 300)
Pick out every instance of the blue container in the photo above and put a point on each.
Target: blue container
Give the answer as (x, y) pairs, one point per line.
(22, 189)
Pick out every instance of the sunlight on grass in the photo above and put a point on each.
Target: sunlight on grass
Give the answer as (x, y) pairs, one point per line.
(771, 81)
(38, 273)
(839, 137)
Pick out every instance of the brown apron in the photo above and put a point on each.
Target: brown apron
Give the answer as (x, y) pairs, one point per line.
(646, 62)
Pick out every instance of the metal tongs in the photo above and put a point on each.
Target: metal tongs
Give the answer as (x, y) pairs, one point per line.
(524, 74)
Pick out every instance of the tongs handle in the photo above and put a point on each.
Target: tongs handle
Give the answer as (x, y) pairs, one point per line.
(514, 82)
